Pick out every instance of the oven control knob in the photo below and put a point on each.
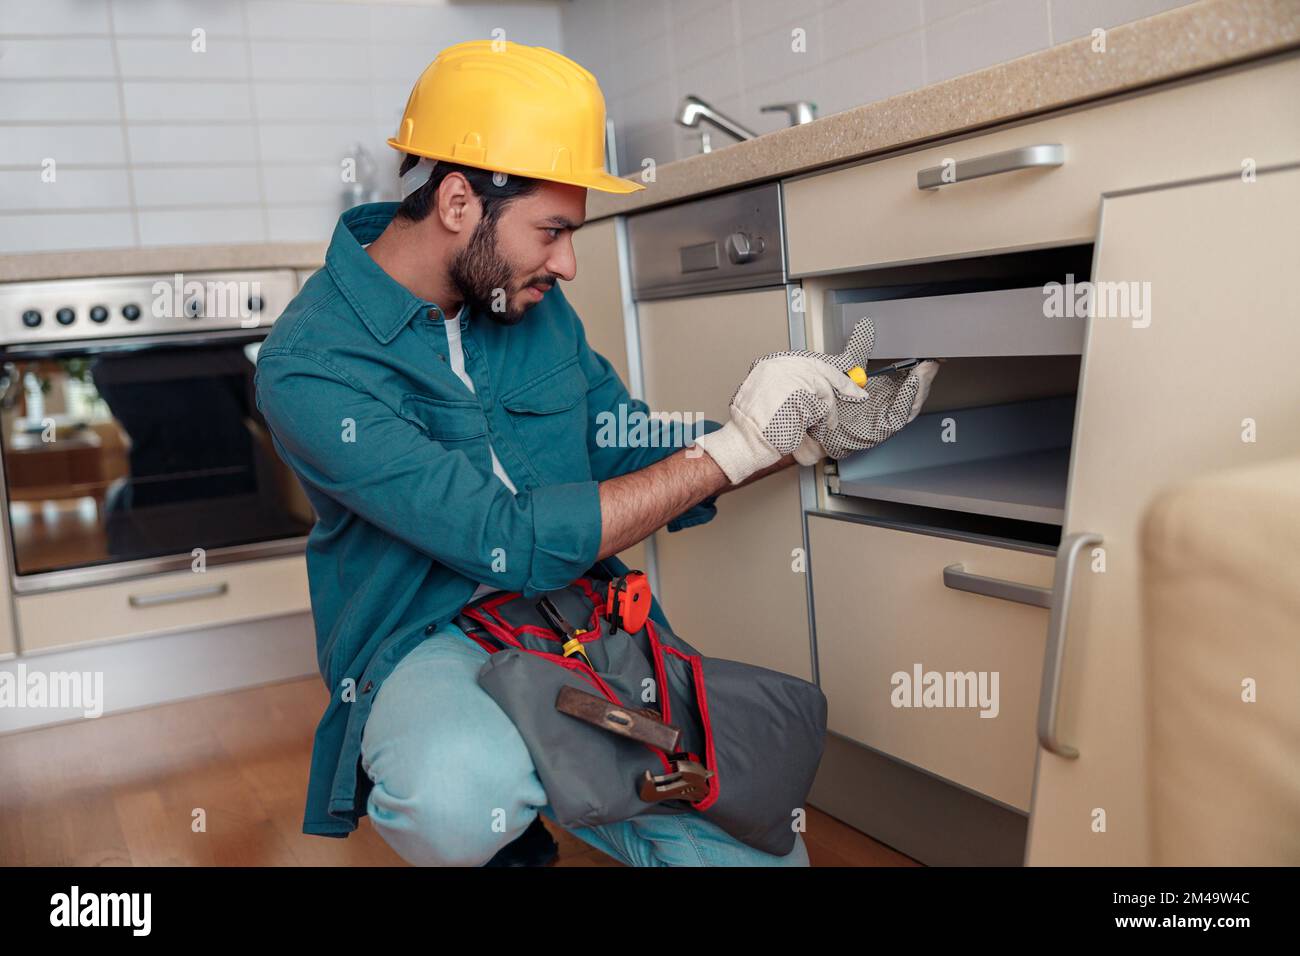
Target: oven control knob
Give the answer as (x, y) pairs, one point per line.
(65, 316)
(194, 307)
(256, 303)
(31, 318)
(742, 248)
(130, 312)
(98, 313)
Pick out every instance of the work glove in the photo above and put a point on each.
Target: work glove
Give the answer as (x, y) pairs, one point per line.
(782, 397)
(862, 417)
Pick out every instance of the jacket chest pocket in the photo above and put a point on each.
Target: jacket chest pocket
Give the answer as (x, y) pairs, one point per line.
(460, 425)
(549, 414)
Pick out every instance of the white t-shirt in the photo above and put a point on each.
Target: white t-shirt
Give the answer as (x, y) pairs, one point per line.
(458, 366)
(457, 356)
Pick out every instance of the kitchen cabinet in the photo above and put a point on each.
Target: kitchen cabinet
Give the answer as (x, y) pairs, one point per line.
(597, 295)
(1208, 384)
(733, 587)
(881, 608)
(874, 213)
(1193, 222)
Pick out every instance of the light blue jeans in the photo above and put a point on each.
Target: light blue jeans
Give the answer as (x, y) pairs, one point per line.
(453, 781)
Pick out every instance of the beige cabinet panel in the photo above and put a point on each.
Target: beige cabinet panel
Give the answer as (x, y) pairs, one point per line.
(176, 601)
(873, 213)
(596, 292)
(881, 608)
(1159, 404)
(733, 587)
(695, 351)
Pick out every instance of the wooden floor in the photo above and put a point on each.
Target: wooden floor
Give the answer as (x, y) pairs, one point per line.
(120, 790)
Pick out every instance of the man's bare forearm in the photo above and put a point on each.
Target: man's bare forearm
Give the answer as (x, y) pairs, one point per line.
(635, 505)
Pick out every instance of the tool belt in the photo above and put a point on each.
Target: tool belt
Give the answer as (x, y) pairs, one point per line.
(622, 724)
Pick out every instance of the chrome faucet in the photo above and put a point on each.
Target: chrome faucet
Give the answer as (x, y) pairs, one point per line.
(694, 111)
(799, 111)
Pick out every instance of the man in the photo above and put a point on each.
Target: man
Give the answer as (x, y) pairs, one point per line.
(447, 457)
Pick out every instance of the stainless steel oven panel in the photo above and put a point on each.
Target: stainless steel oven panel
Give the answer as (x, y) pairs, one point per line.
(166, 305)
(719, 243)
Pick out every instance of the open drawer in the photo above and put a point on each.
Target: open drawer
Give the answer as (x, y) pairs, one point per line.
(1008, 461)
(1018, 304)
(993, 440)
(890, 602)
(963, 324)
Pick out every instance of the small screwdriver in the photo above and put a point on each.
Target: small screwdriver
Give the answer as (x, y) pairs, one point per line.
(859, 374)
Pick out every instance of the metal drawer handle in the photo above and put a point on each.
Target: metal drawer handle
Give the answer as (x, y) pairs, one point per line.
(1026, 157)
(171, 597)
(956, 576)
(1066, 557)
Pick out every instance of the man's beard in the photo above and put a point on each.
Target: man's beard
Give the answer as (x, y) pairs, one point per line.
(478, 271)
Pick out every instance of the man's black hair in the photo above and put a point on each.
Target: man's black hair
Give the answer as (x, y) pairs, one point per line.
(493, 198)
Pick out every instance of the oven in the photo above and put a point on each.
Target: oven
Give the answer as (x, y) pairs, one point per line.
(130, 440)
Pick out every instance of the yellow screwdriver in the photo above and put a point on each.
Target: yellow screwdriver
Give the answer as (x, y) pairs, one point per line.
(859, 374)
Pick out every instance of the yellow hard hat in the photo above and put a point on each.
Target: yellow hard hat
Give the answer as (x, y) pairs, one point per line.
(510, 108)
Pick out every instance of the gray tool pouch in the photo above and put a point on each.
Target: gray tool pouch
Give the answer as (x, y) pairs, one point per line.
(756, 734)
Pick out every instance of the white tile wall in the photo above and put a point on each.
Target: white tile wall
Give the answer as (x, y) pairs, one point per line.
(156, 143)
(737, 55)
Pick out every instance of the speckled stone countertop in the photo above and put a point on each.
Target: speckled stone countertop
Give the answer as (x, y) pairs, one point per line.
(1177, 43)
(160, 260)
(1167, 46)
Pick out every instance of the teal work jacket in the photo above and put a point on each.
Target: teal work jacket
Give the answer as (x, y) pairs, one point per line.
(392, 449)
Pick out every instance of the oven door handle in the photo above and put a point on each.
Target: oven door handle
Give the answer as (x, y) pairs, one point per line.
(34, 350)
(172, 597)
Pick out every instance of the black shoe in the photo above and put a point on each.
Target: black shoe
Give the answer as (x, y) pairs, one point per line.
(533, 847)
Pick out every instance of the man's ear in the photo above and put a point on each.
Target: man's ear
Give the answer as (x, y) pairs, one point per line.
(455, 203)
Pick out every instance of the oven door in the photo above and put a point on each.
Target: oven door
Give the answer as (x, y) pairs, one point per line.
(122, 458)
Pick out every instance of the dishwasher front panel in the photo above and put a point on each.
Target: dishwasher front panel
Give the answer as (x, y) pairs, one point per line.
(721, 243)
(733, 587)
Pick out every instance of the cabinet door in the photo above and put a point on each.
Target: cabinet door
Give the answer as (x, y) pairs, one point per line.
(1158, 404)
(596, 294)
(882, 609)
(731, 587)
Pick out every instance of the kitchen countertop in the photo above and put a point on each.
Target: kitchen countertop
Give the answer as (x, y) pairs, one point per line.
(162, 260)
(1170, 45)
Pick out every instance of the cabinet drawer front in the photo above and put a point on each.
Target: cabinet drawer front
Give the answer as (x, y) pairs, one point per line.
(881, 608)
(177, 601)
(874, 213)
